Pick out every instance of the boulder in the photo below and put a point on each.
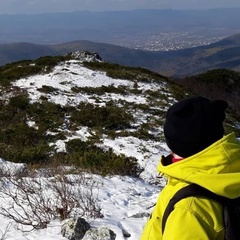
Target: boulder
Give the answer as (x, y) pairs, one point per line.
(102, 233)
(75, 229)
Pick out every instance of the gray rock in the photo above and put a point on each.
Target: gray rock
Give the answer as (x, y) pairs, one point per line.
(141, 215)
(75, 229)
(102, 233)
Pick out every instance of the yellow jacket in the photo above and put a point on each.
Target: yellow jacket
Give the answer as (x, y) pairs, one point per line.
(216, 168)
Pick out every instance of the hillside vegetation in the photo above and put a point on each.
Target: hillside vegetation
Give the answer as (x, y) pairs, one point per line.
(132, 107)
(217, 84)
(30, 128)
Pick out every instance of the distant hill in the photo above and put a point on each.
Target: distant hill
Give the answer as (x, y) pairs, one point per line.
(179, 63)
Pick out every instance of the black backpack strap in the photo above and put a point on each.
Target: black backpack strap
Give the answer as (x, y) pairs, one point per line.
(189, 191)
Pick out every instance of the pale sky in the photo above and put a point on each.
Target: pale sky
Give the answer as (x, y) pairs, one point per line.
(43, 6)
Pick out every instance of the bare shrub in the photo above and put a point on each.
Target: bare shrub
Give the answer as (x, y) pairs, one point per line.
(5, 231)
(35, 201)
(76, 194)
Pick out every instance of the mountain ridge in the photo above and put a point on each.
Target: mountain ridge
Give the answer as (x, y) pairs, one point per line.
(176, 63)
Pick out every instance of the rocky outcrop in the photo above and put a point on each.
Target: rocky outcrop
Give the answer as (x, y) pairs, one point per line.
(75, 229)
(79, 229)
(102, 233)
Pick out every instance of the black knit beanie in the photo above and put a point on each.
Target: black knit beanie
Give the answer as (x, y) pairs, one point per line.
(194, 124)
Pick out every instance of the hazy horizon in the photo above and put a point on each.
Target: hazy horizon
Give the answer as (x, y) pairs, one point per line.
(51, 6)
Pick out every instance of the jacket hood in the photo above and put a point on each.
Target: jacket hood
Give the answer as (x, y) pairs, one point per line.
(216, 168)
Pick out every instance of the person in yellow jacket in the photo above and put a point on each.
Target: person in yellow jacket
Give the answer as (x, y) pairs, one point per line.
(201, 154)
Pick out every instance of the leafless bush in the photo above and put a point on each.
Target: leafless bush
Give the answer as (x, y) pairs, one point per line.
(36, 201)
(76, 194)
(6, 230)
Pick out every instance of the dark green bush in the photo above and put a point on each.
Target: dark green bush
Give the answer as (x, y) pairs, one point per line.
(11, 72)
(124, 72)
(19, 102)
(21, 69)
(97, 160)
(47, 115)
(37, 154)
(102, 90)
(108, 117)
(20, 143)
(47, 89)
(50, 61)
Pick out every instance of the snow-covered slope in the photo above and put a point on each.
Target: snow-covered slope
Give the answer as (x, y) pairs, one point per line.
(120, 197)
(72, 74)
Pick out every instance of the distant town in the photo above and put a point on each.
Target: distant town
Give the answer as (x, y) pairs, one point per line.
(171, 40)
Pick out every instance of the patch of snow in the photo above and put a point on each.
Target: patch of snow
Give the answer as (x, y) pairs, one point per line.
(63, 78)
